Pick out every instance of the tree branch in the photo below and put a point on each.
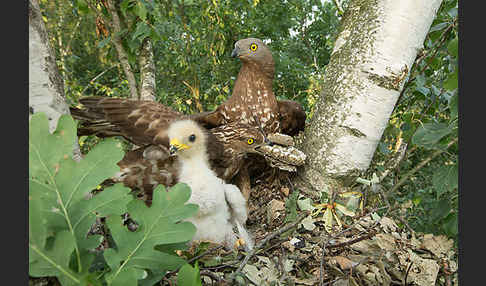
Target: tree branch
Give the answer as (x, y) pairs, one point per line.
(95, 78)
(420, 166)
(338, 7)
(147, 71)
(122, 55)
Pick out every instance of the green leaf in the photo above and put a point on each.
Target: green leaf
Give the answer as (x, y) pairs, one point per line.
(383, 148)
(189, 276)
(450, 225)
(45, 149)
(112, 201)
(305, 204)
(152, 278)
(82, 6)
(291, 207)
(104, 42)
(452, 47)
(124, 6)
(423, 90)
(125, 277)
(54, 261)
(451, 82)
(142, 31)
(429, 134)
(57, 189)
(445, 179)
(159, 224)
(37, 227)
(141, 10)
(77, 179)
(441, 210)
(452, 12)
(420, 81)
(344, 210)
(438, 27)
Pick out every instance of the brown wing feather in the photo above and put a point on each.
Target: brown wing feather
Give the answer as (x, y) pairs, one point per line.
(143, 172)
(141, 122)
(292, 117)
(291, 114)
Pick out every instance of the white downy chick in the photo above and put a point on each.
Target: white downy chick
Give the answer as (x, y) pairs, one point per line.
(214, 220)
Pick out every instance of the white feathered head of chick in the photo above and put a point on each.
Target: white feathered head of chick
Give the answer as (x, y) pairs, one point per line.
(186, 138)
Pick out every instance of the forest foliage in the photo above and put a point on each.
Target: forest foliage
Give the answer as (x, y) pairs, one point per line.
(192, 43)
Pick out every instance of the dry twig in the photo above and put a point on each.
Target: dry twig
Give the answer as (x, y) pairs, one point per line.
(263, 242)
(406, 275)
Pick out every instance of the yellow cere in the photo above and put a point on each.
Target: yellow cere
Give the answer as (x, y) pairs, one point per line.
(178, 144)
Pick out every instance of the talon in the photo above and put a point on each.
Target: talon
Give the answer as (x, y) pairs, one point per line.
(240, 243)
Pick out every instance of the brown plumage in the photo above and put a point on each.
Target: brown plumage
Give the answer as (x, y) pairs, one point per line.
(140, 122)
(252, 101)
(292, 117)
(145, 123)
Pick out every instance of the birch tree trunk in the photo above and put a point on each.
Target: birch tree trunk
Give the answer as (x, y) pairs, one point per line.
(147, 71)
(46, 87)
(372, 56)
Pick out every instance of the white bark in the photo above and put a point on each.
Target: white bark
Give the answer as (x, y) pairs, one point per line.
(372, 56)
(147, 71)
(46, 87)
(46, 92)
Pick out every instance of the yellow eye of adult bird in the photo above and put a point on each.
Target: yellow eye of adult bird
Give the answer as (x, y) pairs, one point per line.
(253, 47)
(250, 141)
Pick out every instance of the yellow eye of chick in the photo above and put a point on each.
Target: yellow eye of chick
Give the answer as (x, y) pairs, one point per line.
(253, 47)
(250, 141)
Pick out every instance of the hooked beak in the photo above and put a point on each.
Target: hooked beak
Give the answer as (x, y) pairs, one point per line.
(176, 145)
(235, 52)
(266, 141)
(256, 148)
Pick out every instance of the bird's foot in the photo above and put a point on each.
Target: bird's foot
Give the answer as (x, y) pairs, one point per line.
(240, 244)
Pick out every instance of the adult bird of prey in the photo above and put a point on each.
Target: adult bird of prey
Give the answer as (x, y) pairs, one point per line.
(221, 205)
(252, 101)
